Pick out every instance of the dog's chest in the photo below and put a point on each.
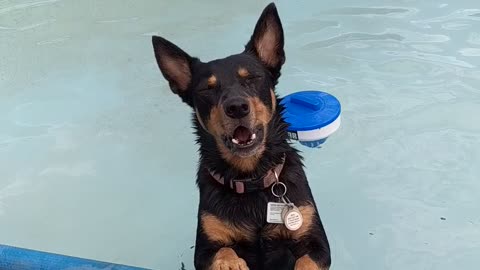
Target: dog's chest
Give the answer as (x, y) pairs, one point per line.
(246, 219)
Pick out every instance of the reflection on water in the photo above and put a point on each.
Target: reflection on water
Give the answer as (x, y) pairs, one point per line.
(97, 158)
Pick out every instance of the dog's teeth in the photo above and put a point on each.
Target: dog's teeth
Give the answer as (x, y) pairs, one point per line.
(254, 136)
(235, 141)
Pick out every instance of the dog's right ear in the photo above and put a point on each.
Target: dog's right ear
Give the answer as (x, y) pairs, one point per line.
(175, 65)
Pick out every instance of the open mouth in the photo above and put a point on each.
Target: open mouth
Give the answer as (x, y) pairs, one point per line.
(244, 141)
(243, 137)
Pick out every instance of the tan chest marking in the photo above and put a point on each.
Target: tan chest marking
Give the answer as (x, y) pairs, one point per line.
(224, 232)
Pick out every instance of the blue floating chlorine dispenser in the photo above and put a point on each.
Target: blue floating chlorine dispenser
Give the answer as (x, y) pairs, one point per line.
(312, 116)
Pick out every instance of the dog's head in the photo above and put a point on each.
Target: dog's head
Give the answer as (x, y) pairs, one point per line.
(233, 98)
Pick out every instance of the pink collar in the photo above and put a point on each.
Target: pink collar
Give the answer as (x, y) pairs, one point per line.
(251, 184)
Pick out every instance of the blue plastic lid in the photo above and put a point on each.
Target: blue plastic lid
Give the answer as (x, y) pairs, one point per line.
(309, 110)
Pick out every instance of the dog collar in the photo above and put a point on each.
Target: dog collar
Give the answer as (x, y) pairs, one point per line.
(241, 186)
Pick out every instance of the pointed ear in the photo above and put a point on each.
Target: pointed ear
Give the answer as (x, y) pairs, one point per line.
(267, 39)
(174, 63)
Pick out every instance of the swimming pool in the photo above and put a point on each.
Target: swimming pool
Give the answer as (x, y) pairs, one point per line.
(97, 158)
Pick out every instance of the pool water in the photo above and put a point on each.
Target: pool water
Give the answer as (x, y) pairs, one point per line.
(97, 157)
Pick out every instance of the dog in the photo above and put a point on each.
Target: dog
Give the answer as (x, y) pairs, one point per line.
(246, 161)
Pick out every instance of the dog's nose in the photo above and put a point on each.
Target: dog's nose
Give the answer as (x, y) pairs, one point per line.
(236, 108)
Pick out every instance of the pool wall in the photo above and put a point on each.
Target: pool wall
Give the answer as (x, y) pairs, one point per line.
(14, 258)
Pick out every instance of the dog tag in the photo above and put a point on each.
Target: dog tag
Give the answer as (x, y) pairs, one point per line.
(292, 218)
(274, 212)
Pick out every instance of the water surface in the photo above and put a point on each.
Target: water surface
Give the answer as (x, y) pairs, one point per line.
(97, 158)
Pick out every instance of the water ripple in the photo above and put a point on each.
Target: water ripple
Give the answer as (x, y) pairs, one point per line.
(455, 26)
(352, 37)
(26, 5)
(474, 38)
(120, 20)
(35, 25)
(371, 11)
(470, 51)
(310, 26)
(12, 189)
(461, 14)
(412, 36)
(432, 58)
(53, 41)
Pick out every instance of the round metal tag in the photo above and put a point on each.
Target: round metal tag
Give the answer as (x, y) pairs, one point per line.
(293, 219)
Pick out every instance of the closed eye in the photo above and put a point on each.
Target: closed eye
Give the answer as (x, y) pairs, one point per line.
(206, 89)
(251, 79)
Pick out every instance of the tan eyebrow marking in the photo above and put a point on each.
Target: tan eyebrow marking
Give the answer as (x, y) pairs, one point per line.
(212, 81)
(243, 72)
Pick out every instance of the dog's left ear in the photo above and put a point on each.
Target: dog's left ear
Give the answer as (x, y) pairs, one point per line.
(267, 40)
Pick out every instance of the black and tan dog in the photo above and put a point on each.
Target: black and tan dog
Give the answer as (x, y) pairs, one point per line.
(243, 148)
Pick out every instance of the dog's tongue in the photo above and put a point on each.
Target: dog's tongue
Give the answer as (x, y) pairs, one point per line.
(242, 134)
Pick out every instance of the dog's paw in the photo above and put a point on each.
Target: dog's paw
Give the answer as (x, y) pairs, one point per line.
(227, 259)
(306, 263)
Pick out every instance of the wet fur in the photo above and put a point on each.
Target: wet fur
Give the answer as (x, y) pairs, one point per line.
(232, 227)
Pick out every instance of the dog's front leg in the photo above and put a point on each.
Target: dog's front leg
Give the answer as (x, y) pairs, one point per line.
(307, 263)
(312, 250)
(209, 256)
(226, 258)
(309, 243)
(215, 239)
(312, 253)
